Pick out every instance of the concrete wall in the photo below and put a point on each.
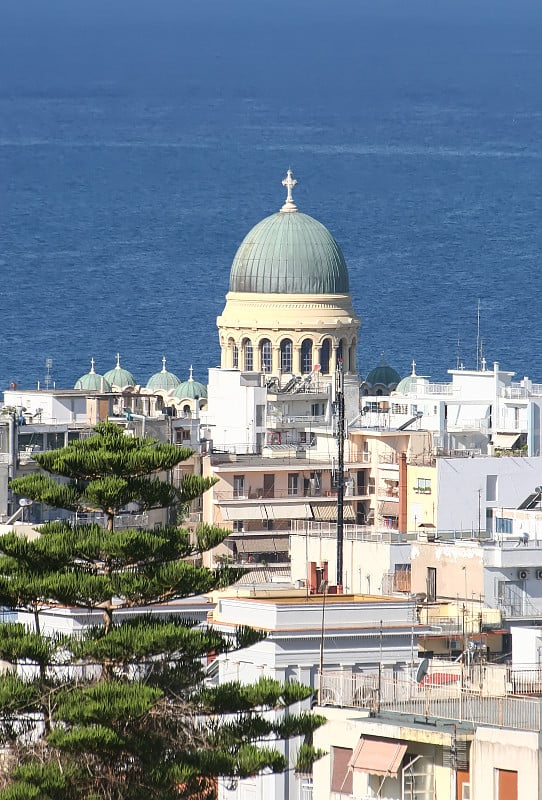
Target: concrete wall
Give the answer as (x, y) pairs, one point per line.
(365, 563)
(459, 565)
(498, 748)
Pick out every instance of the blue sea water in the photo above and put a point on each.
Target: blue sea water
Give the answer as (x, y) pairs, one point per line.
(141, 139)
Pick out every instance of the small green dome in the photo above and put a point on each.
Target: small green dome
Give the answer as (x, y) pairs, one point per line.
(163, 380)
(409, 384)
(383, 374)
(289, 253)
(93, 381)
(190, 389)
(120, 377)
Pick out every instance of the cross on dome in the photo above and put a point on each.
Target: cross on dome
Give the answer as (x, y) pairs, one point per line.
(190, 377)
(163, 363)
(118, 361)
(413, 367)
(92, 367)
(289, 182)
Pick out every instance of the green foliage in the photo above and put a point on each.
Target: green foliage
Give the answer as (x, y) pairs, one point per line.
(306, 757)
(120, 711)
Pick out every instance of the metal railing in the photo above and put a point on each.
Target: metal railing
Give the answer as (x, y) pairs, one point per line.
(445, 700)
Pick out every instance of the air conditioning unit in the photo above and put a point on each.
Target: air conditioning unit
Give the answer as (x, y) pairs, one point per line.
(523, 574)
(539, 574)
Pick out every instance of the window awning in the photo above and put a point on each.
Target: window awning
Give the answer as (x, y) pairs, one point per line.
(288, 511)
(327, 512)
(341, 775)
(505, 440)
(378, 756)
(390, 509)
(260, 544)
(243, 512)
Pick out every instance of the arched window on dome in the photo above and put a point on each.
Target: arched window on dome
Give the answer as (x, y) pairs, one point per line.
(286, 350)
(265, 355)
(352, 359)
(325, 352)
(306, 356)
(248, 356)
(234, 353)
(340, 354)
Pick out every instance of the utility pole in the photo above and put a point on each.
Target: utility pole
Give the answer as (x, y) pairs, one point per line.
(340, 434)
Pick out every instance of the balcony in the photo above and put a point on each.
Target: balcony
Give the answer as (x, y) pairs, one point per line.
(442, 698)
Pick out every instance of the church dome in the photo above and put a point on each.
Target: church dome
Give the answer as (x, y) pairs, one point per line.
(384, 375)
(163, 380)
(120, 377)
(409, 384)
(289, 253)
(93, 381)
(190, 389)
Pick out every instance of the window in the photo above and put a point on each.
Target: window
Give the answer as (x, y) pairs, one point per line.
(306, 356)
(185, 435)
(238, 525)
(318, 409)
(401, 578)
(265, 355)
(293, 483)
(507, 784)
(423, 485)
(324, 355)
(431, 584)
(235, 357)
(260, 415)
(399, 408)
(491, 487)
(238, 485)
(286, 355)
(503, 525)
(249, 358)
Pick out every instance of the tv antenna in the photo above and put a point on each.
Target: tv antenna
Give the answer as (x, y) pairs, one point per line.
(478, 340)
(48, 368)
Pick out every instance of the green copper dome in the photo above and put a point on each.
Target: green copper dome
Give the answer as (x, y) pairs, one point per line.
(164, 380)
(289, 253)
(120, 377)
(410, 383)
(384, 375)
(93, 381)
(190, 389)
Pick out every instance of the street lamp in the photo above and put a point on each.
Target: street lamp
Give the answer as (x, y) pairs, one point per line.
(322, 589)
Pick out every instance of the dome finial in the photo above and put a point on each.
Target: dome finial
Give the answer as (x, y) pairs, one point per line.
(163, 363)
(289, 182)
(414, 368)
(190, 377)
(92, 372)
(118, 361)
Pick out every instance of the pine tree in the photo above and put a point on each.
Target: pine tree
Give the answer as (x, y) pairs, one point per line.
(122, 711)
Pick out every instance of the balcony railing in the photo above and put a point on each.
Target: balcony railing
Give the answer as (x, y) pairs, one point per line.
(441, 699)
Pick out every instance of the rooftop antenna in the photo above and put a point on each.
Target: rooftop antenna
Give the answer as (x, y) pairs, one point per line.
(478, 338)
(458, 353)
(48, 376)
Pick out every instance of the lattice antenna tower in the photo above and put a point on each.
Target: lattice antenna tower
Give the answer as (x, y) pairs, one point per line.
(48, 375)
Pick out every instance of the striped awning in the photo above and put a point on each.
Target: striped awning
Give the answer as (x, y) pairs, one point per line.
(243, 512)
(378, 756)
(327, 512)
(389, 509)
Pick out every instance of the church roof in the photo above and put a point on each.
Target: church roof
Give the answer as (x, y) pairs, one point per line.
(383, 374)
(190, 389)
(289, 253)
(410, 383)
(93, 381)
(120, 377)
(163, 380)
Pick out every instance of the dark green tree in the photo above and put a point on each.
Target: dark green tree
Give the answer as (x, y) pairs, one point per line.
(122, 711)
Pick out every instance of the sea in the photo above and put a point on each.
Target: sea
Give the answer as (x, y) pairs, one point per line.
(140, 140)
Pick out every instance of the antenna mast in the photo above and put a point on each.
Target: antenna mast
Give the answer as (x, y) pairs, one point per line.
(478, 338)
(48, 367)
(339, 405)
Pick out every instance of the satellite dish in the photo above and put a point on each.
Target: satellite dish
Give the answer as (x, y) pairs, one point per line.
(25, 501)
(422, 670)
